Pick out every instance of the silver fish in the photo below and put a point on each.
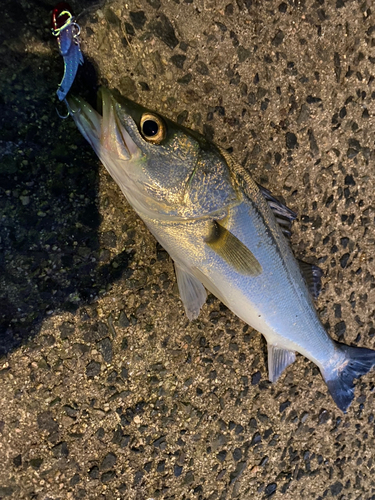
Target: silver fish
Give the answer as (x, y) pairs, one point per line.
(223, 232)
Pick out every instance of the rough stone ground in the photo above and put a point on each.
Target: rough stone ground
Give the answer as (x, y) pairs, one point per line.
(107, 391)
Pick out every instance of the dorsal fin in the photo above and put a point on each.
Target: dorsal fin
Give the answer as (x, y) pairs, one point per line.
(313, 277)
(284, 215)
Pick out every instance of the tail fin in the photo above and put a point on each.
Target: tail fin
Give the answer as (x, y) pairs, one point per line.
(354, 362)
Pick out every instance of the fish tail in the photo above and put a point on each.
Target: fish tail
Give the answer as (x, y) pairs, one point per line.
(353, 363)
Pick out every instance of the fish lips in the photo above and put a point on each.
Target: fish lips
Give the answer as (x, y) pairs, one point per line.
(106, 133)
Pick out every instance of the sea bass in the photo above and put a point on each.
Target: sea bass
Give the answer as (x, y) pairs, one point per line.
(224, 233)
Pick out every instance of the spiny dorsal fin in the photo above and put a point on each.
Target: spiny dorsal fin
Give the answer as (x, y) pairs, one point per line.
(313, 277)
(233, 251)
(284, 215)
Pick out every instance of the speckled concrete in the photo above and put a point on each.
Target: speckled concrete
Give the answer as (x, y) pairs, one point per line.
(107, 391)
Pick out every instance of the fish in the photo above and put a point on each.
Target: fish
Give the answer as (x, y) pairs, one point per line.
(224, 232)
(67, 31)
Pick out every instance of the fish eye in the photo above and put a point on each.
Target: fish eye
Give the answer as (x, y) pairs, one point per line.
(153, 128)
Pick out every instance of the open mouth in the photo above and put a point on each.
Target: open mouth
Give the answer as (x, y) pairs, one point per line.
(105, 132)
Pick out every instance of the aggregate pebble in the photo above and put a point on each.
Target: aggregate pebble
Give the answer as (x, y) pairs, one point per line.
(108, 461)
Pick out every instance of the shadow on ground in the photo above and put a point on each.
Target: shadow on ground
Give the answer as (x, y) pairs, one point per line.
(50, 255)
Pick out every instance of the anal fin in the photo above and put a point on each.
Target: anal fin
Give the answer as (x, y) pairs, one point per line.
(278, 360)
(192, 292)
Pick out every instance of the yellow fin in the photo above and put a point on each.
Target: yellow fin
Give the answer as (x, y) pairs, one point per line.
(233, 251)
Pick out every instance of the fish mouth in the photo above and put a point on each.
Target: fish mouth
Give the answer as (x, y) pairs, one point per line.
(104, 132)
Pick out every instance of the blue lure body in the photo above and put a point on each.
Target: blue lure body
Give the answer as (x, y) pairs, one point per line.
(67, 32)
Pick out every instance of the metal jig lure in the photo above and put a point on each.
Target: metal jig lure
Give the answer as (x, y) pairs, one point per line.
(67, 32)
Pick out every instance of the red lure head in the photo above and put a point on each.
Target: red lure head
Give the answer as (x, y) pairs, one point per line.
(58, 21)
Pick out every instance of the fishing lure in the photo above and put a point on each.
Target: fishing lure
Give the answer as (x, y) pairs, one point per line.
(67, 32)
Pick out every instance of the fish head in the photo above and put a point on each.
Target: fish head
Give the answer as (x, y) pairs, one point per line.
(151, 158)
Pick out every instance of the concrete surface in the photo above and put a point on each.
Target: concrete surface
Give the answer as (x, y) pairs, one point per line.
(107, 391)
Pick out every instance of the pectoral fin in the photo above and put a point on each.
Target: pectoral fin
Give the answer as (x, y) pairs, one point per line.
(233, 251)
(278, 360)
(192, 292)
